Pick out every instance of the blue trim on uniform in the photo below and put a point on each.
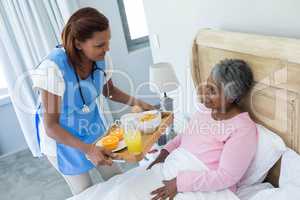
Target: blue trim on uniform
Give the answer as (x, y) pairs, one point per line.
(37, 122)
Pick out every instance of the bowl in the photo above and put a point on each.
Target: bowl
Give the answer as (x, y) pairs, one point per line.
(149, 121)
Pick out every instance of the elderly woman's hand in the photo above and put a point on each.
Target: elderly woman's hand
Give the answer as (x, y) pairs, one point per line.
(168, 191)
(160, 158)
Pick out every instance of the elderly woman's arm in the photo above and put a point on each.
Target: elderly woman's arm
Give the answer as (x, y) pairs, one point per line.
(236, 157)
(170, 146)
(173, 144)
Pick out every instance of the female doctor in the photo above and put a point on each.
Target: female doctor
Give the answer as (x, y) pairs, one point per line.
(77, 73)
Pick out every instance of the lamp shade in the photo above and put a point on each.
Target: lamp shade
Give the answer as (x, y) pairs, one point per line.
(162, 78)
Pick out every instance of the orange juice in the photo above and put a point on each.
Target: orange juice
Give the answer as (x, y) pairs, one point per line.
(133, 140)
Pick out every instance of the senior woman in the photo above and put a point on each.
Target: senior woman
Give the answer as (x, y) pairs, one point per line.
(220, 135)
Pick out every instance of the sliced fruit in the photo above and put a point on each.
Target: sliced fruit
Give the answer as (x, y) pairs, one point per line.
(110, 142)
(118, 132)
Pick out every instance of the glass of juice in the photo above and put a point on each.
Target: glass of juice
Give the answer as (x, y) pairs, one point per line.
(133, 138)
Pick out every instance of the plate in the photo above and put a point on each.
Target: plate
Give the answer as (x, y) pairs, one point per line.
(121, 145)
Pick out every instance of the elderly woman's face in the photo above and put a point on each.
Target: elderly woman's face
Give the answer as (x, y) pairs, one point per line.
(213, 95)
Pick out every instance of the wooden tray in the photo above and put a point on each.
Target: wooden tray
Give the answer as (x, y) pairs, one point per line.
(148, 140)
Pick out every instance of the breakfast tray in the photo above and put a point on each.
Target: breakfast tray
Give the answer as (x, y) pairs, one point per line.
(148, 140)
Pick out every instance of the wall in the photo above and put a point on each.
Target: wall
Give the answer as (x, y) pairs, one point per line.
(11, 137)
(176, 22)
(135, 64)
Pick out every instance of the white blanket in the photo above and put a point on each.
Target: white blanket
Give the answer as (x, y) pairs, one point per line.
(137, 183)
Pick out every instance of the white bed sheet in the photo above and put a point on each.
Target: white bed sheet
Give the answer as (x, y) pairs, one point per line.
(247, 192)
(137, 183)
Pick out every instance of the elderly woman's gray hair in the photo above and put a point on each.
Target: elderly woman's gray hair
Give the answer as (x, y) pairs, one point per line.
(235, 76)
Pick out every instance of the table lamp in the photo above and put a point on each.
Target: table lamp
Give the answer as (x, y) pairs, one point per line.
(163, 80)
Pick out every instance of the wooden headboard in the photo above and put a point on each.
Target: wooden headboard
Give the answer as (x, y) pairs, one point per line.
(274, 100)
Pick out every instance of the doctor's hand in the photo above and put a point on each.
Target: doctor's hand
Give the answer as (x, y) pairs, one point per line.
(140, 106)
(168, 191)
(145, 106)
(160, 158)
(99, 156)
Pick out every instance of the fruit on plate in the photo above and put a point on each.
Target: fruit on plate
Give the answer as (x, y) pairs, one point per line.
(118, 132)
(110, 142)
(147, 117)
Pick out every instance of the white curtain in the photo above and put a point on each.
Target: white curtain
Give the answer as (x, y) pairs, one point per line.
(30, 29)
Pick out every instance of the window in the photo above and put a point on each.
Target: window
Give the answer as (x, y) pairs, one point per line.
(3, 85)
(134, 23)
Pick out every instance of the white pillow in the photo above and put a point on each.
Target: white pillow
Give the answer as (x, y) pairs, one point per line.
(287, 193)
(269, 150)
(290, 169)
(289, 181)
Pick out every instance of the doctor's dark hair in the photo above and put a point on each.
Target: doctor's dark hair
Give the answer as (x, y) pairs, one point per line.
(81, 26)
(235, 76)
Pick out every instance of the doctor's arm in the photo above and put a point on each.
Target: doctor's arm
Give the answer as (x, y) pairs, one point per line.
(115, 94)
(51, 111)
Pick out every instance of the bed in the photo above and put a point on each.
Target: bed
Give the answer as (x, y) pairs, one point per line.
(275, 62)
(273, 101)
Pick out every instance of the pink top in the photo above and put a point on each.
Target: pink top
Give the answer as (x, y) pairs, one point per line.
(227, 148)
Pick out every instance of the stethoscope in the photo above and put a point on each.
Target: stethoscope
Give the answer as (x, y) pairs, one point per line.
(85, 108)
